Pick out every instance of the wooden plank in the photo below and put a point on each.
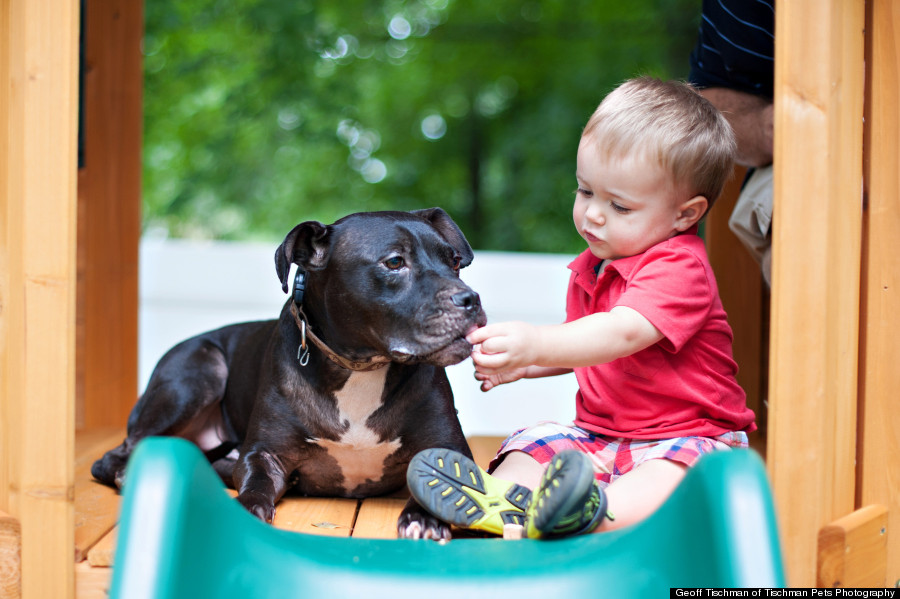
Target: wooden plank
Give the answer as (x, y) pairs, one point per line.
(103, 553)
(7, 249)
(96, 505)
(92, 583)
(96, 513)
(326, 516)
(41, 41)
(10, 557)
(853, 550)
(377, 518)
(879, 444)
(91, 444)
(815, 272)
(110, 213)
(742, 290)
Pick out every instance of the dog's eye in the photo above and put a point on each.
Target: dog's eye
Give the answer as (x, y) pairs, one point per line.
(457, 263)
(394, 263)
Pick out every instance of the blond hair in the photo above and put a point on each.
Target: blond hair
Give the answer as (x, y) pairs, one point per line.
(670, 123)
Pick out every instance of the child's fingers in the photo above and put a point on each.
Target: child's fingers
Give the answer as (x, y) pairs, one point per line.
(485, 332)
(489, 363)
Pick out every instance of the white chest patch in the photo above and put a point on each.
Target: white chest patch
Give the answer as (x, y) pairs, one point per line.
(359, 452)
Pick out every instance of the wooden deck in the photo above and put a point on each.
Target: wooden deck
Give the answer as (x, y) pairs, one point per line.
(97, 509)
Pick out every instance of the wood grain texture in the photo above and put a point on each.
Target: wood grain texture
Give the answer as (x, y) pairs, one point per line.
(879, 426)
(853, 550)
(40, 41)
(109, 211)
(377, 518)
(96, 505)
(317, 515)
(103, 553)
(92, 583)
(817, 233)
(10, 557)
(742, 290)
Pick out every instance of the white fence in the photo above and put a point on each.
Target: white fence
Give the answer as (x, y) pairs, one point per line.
(189, 287)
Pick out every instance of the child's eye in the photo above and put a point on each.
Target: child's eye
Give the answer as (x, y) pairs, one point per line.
(619, 208)
(586, 193)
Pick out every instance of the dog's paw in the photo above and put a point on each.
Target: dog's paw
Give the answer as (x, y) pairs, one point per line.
(422, 526)
(258, 505)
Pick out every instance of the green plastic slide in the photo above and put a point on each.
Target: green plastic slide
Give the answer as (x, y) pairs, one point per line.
(182, 535)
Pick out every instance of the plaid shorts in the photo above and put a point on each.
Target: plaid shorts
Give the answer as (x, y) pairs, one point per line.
(612, 456)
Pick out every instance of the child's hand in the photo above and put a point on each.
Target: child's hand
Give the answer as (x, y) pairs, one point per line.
(504, 347)
(489, 381)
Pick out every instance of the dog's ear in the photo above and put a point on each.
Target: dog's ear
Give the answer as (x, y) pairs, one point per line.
(307, 246)
(448, 229)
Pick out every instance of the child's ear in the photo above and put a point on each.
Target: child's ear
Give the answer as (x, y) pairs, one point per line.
(690, 212)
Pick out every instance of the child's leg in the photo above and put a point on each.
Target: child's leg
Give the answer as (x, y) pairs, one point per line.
(521, 468)
(635, 495)
(651, 470)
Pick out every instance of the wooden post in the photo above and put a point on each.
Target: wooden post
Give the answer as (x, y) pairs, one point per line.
(38, 120)
(109, 214)
(816, 268)
(879, 438)
(742, 290)
(6, 462)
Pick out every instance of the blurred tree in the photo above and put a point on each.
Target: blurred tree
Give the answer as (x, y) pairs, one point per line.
(263, 113)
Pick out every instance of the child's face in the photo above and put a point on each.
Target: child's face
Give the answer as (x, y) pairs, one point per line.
(625, 206)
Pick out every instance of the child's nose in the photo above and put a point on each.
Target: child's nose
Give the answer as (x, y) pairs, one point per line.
(595, 214)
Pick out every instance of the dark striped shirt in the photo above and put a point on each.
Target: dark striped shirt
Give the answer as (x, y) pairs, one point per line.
(735, 46)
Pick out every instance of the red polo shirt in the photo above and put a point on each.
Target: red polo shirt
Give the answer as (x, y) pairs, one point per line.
(683, 385)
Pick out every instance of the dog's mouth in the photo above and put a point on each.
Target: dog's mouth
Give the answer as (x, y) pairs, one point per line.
(452, 352)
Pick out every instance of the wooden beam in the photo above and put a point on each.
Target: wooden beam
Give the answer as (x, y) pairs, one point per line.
(879, 438)
(39, 39)
(109, 211)
(7, 211)
(853, 550)
(816, 269)
(742, 290)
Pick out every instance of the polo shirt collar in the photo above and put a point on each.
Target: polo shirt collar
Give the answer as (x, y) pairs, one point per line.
(585, 266)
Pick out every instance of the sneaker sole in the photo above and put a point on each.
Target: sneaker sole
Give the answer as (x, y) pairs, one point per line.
(453, 488)
(548, 509)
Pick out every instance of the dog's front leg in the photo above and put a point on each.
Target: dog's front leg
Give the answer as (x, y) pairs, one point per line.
(261, 479)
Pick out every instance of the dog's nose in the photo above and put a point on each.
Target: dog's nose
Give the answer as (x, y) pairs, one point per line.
(467, 300)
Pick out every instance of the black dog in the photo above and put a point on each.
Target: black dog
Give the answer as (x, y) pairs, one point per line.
(336, 396)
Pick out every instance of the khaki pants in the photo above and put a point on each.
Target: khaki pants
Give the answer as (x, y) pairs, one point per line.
(751, 219)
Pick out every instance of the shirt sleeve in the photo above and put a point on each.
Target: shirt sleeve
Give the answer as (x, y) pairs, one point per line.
(671, 289)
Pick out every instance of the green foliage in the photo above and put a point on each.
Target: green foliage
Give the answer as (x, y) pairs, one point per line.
(263, 113)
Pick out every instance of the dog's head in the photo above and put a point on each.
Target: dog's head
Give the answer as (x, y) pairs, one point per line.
(386, 283)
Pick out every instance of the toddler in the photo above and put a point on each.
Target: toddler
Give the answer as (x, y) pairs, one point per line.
(645, 334)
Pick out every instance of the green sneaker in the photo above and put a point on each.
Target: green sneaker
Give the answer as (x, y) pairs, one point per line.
(568, 500)
(453, 488)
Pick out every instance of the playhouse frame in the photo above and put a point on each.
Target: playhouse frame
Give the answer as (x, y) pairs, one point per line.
(68, 279)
